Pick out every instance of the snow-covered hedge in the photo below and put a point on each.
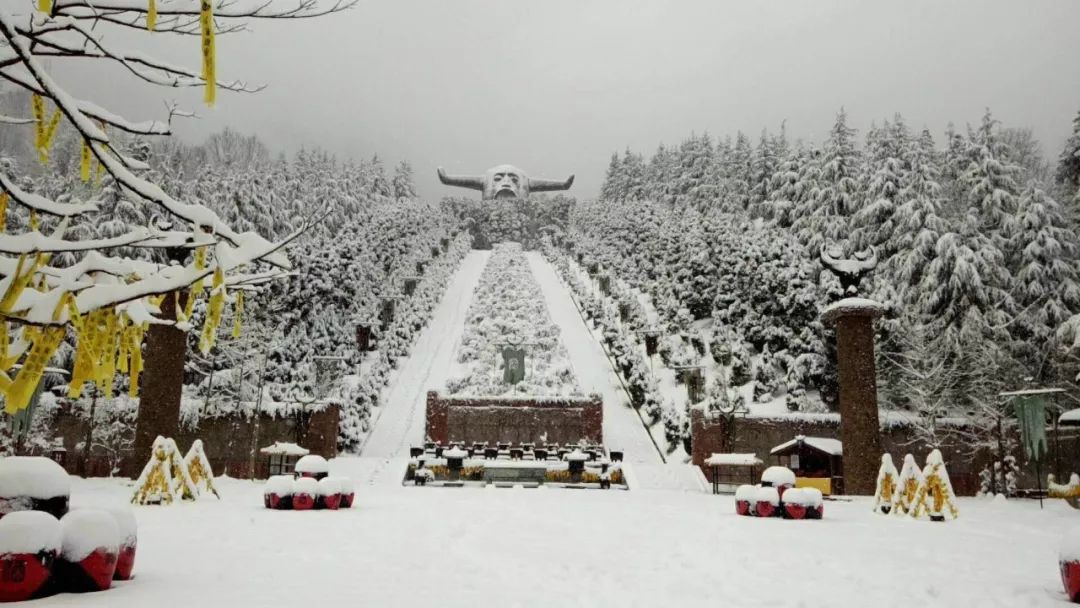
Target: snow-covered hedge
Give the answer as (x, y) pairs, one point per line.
(508, 306)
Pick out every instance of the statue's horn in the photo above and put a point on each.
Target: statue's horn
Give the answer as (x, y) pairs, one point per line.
(461, 181)
(550, 185)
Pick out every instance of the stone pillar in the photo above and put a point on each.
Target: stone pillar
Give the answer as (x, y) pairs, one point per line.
(698, 445)
(593, 419)
(437, 419)
(860, 430)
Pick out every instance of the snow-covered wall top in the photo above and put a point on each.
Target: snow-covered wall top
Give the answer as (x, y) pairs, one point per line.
(508, 307)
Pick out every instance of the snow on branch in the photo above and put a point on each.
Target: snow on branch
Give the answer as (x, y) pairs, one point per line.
(40, 203)
(223, 9)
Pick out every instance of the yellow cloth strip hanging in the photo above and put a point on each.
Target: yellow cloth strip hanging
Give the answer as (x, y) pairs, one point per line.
(213, 312)
(237, 319)
(85, 156)
(48, 132)
(46, 340)
(3, 211)
(37, 106)
(209, 69)
(197, 286)
(151, 15)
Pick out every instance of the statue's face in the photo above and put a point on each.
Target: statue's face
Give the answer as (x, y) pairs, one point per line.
(506, 183)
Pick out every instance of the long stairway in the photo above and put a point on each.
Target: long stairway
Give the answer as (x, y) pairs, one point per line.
(623, 428)
(400, 421)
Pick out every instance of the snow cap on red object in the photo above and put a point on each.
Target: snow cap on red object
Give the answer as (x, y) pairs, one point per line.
(1070, 546)
(87, 530)
(778, 476)
(769, 495)
(306, 485)
(29, 532)
(312, 464)
(345, 483)
(328, 486)
(807, 497)
(282, 485)
(125, 524)
(33, 476)
(746, 492)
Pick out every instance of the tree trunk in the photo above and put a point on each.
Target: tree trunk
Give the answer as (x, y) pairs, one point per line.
(88, 441)
(162, 384)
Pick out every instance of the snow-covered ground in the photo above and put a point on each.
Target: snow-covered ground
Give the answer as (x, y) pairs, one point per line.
(407, 546)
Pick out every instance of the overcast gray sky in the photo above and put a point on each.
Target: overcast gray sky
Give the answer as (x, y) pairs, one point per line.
(555, 86)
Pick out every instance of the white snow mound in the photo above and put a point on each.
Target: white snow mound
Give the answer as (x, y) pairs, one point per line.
(87, 530)
(29, 532)
(778, 476)
(312, 464)
(33, 476)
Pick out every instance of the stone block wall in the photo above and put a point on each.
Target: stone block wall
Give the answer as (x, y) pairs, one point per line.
(760, 435)
(514, 420)
(228, 440)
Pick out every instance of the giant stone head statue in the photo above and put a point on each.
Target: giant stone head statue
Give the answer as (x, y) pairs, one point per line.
(504, 182)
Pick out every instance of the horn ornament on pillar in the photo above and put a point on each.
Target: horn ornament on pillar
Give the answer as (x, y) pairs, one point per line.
(505, 182)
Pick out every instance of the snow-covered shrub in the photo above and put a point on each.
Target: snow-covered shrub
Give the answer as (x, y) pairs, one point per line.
(996, 481)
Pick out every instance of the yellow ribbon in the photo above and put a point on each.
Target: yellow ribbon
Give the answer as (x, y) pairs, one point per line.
(206, 23)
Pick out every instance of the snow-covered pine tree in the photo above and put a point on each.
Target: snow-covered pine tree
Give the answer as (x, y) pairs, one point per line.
(1043, 253)
(991, 182)
(784, 187)
(873, 223)
(825, 216)
(764, 163)
(633, 171)
(1068, 168)
(918, 221)
(403, 181)
(738, 175)
(614, 186)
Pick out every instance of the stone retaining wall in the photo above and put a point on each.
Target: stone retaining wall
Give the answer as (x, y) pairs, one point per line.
(760, 435)
(515, 420)
(227, 440)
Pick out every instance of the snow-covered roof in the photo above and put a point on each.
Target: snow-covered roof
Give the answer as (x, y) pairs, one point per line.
(1070, 418)
(733, 460)
(825, 444)
(288, 449)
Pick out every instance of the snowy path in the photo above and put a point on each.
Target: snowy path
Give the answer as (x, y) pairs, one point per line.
(623, 428)
(401, 419)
